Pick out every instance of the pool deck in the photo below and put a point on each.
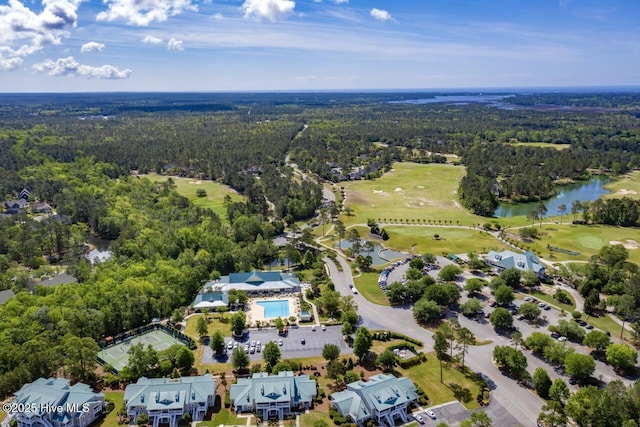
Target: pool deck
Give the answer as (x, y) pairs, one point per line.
(256, 312)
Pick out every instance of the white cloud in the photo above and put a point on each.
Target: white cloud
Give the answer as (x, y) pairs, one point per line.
(380, 15)
(144, 12)
(341, 1)
(91, 46)
(151, 40)
(268, 10)
(70, 67)
(24, 32)
(175, 45)
(218, 17)
(10, 63)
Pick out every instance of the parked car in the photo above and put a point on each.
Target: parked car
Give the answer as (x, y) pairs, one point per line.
(324, 328)
(527, 299)
(589, 327)
(302, 341)
(418, 418)
(542, 305)
(313, 328)
(280, 342)
(431, 414)
(562, 339)
(547, 307)
(230, 345)
(555, 335)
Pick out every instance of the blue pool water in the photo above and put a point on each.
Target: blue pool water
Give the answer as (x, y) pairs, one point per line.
(276, 308)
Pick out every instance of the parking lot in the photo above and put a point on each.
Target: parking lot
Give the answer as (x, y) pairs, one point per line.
(292, 347)
(454, 413)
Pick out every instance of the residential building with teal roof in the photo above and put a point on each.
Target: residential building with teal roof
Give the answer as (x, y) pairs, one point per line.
(166, 400)
(273, 396)
(384, 399)
(54, 402)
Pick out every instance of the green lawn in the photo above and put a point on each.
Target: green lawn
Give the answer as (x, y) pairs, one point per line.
(313, 416)
(550, 300)
(409, 191)
(627, 185)
(224, 417)
(586, 239)
(420, 240)
(606, 323)
(543, 144)
(216, 192)
(367, 285)
(214, 324)
(111, 420)
(427, 376)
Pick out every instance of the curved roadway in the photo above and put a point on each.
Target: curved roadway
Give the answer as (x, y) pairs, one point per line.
(518, 401)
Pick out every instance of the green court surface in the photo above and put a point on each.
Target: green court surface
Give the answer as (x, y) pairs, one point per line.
(117, 355)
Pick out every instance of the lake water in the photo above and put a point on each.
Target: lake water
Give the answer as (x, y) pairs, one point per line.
(457, 99)
(583, 191)
(100, 252)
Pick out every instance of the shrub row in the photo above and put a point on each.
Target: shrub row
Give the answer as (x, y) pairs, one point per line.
(412, 361)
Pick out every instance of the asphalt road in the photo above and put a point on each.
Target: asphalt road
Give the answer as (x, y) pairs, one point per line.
(520, 403)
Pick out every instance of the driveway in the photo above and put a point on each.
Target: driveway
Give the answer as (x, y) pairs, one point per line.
(292, 347)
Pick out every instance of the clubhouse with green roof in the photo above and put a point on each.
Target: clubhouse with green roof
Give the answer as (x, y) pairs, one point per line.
(384, 399)
(255, 283)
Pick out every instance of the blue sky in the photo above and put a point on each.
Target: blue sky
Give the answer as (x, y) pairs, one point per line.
(230, 45)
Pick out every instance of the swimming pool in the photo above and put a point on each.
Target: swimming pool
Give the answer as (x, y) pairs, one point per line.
(275, 308)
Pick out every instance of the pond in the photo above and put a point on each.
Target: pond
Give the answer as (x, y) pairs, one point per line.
(379, 256)
(100, 250)
(583, 191)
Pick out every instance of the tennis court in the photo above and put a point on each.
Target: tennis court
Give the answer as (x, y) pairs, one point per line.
(117, 355)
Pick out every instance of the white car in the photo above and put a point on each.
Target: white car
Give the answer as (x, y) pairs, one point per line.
(230, 345)
(313, 328)
(280, 342)
(431, 414)
(418, 418)
(324, 328)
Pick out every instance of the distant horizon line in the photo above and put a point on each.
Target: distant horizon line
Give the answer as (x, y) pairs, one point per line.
(519, 89)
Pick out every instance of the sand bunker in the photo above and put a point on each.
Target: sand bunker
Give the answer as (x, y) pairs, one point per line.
(398, 189)
(629, 244)
(377, 191)
(420, 186)
(624, 192)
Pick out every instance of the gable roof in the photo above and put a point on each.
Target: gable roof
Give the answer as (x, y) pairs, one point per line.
(265, 388)
(211, 299)
(55, 392)
(6, 295)
(254, 281)
(527, 261)
(60, 279)
(19, 204)
(378, 394)
(165, 393)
